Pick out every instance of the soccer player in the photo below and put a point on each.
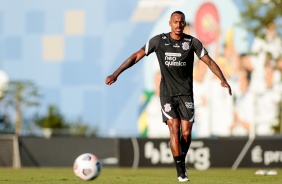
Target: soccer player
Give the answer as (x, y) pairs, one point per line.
(175, 52)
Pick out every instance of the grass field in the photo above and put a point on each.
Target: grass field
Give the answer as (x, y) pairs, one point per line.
(128, 175)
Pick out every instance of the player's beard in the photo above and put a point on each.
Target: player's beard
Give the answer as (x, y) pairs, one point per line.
(178, 33)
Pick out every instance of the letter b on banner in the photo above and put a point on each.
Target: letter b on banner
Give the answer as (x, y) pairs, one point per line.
(162, 155)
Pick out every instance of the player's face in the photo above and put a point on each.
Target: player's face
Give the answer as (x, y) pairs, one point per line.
(177, 24)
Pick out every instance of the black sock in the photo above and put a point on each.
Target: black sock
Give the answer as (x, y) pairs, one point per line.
(184, 145)
(178, 162)
(183, 156)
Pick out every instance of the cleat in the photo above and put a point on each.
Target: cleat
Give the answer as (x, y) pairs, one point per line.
(182, 178)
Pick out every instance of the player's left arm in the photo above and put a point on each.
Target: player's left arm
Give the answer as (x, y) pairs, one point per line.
(217, 71)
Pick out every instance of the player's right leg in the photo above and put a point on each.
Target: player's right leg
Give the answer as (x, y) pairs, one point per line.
(174, 129)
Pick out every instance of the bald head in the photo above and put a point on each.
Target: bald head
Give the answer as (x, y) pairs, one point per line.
(178, 12)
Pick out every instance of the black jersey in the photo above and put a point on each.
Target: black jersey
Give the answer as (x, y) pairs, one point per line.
(176, 60)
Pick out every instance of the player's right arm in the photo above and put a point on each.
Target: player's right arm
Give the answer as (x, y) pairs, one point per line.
(147, 49)
(133, 59)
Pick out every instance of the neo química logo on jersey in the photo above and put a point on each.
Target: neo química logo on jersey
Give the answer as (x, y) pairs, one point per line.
(170, 59)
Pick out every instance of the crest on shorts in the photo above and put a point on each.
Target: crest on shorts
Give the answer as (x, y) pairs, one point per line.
(185, 45)
(167, 107)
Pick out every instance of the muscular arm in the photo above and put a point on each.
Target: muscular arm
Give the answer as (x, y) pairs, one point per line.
(133, 59)
(216, 70)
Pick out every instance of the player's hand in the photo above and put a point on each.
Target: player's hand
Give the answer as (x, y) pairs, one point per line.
(226, 85)
(110, 79)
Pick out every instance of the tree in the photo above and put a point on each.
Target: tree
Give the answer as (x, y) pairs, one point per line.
(20, 95)
(79, 128)
(54, 123)
(256, 14)
(53, 119)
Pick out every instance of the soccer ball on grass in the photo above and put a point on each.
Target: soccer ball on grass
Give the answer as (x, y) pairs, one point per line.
(87, 166)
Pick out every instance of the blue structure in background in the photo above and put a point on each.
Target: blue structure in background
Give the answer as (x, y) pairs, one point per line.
(76, 83)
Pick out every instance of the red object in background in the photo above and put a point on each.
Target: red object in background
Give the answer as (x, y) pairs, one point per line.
(207, 23)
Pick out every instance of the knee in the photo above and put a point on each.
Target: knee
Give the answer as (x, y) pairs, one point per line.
(187, 130)
(174, 131)
(186, 133)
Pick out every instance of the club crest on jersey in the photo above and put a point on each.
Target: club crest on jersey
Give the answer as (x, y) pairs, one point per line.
(185, 45)
(167, 107)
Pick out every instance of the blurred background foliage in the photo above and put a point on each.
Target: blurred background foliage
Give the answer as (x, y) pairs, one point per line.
(18, 96)
(256, 14)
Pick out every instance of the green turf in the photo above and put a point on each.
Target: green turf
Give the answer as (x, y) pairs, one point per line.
(128, 175)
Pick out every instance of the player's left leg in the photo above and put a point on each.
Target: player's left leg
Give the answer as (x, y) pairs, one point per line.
(185, 140)
(186, 111)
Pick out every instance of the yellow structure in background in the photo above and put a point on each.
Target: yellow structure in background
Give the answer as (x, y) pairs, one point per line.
(53, 48)
(74, 22)
(54, 45)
